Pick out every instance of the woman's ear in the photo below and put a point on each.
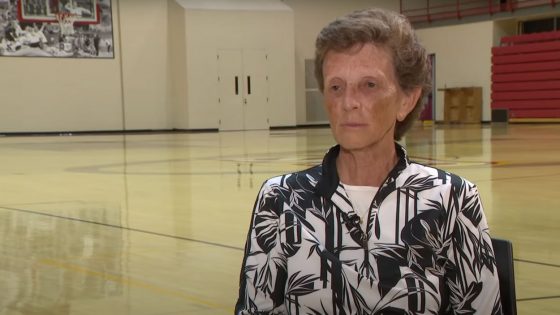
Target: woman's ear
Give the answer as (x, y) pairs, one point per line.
(408, 102)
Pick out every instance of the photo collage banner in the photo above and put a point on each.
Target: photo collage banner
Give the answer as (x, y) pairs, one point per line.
(56, 28)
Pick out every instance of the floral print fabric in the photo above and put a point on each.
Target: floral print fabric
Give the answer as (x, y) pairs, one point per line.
(426, 249)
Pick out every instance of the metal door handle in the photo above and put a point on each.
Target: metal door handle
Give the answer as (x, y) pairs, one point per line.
(249, 85)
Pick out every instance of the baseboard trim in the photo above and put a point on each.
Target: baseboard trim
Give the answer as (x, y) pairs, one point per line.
(534, 120)
(102, 132)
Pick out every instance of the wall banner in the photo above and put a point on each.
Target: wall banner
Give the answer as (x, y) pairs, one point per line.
(56, 28)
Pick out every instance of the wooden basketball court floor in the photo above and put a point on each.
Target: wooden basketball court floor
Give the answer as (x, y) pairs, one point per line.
(150, 224)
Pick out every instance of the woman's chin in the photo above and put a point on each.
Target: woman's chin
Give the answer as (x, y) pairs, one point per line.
(353, 144)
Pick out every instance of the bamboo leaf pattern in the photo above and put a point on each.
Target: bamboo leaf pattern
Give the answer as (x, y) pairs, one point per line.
(301, 285)
(419, 183)
(427, 250)
(472, 210)
(464, 304)
(266, 228)
(318, 213)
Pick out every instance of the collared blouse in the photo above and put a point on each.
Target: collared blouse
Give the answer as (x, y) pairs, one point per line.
(426, 249)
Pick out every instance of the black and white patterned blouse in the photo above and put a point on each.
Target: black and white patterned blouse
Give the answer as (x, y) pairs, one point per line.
(426, 249)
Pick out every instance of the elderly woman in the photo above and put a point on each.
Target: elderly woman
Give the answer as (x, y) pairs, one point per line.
(369, 231)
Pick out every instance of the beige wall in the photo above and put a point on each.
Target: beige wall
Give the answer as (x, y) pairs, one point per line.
(177, 64)
(48, 94)
(159, 80)
(463, 58)
(144, 64)
(147, 86)
(45, 94)
(211, 30)
(51, 94)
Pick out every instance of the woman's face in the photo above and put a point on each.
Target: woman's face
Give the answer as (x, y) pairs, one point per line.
(363, 98)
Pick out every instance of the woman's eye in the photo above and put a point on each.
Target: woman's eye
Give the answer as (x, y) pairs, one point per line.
(335, 88)
(370, 84)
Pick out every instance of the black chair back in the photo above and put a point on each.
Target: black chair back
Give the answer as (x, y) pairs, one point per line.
(503, 251)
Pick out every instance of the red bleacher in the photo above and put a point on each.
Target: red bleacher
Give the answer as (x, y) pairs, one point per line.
(427, 12)
(526, 75)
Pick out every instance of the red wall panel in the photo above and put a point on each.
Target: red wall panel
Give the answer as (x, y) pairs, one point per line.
(526, 86)
(526, 57)
(535, 113)
(526, 67)
(526, 48)
(527, 104)
(526, 75)
(537, 76)
(526, 95)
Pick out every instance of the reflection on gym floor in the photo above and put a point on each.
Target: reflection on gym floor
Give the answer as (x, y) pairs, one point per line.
(156, 223)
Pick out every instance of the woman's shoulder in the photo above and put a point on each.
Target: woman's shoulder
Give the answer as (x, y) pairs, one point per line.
(307, 178)
(419, 170)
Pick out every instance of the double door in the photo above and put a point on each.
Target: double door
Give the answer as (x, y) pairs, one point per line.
(242, 90)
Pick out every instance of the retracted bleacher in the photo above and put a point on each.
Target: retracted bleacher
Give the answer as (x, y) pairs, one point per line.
(526, 76)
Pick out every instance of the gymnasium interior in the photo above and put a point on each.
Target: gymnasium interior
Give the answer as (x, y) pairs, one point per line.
(129, 171)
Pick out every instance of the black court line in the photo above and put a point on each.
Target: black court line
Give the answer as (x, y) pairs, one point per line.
(186, 238)
(536, 263)
(123, 228)
(228, 246)
(539, 298)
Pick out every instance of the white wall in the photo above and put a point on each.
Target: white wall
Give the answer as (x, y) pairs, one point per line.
(71, 94)
(161, 81)
(233, 5)
(208, 31)
(463, 58)
(177, 64)
(144, 64)
(46, 94)
(51, 94)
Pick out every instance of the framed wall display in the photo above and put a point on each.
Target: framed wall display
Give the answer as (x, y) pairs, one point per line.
(56, 28)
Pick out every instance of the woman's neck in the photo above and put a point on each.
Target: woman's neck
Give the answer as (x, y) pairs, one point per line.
(365, 167)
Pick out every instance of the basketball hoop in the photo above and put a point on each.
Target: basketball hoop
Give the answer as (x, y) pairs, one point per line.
(66, 22)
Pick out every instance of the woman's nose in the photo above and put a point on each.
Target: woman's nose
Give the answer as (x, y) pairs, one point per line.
(350, 99)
